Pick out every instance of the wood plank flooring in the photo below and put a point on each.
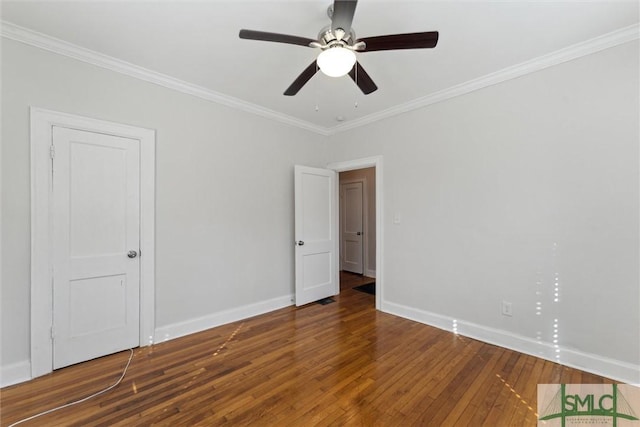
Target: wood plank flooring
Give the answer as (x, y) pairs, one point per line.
(338, 364)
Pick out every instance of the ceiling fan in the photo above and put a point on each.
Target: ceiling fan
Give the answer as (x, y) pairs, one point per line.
(339, 44)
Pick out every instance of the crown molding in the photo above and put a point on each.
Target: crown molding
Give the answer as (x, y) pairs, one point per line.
(597, 44)
(61, 47)
(43, 41)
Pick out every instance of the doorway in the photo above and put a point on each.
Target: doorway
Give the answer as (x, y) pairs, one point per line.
(44, 207)
(367, 171)
(357, 229)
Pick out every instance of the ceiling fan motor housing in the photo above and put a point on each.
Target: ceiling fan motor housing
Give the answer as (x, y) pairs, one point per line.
(326, 36)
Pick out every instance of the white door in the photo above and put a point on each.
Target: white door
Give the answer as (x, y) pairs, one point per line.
(96, 234)
(351, 224)
(315, 234)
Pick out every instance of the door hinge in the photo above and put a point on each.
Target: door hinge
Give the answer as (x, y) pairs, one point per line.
(53, 334)
(52, 151)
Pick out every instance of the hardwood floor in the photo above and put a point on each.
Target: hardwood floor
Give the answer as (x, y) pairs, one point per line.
(338, 364)
(351, 280)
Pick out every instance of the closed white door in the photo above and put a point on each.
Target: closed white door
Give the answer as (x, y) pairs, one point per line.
(351, 224)
(315, 234)
(96, 235)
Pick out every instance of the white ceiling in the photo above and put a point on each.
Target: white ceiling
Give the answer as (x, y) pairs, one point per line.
(197, 42)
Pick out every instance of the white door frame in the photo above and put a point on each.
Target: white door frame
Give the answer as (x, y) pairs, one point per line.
(42, 122)
(365, 222)
(367, 162)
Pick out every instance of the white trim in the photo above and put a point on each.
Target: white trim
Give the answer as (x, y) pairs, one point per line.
(368, 162)
(180, 329)
(61, 47)
(606, 41)
(15, 373)
(603, 366)
(42, 122)
(370, 273)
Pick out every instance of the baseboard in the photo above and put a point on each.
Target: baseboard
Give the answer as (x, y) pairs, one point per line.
(180, 329)
(599, 365)
(15, 373)
(370, 273)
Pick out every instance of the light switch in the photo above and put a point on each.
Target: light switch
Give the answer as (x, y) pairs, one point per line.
(396, 218)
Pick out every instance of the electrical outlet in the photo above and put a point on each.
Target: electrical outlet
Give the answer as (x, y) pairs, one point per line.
(506, 309)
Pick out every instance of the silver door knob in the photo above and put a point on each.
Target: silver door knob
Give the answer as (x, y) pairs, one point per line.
(132, 254)
(300, 243)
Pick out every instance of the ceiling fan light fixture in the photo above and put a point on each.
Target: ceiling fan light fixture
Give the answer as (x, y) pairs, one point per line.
(336, 61)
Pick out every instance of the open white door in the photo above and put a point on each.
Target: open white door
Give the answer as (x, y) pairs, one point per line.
(315, 234)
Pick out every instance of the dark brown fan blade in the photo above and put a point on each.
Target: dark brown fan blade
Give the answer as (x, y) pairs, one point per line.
(274, 37)
(362, 79)
(302, 79)
(401, 41)
(343, 11)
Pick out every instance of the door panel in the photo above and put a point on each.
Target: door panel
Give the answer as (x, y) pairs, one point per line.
(315, 234)
(99, 304)
(96, 221)
(97, 224)
(352, 242)
(316, 268)
(316, 220)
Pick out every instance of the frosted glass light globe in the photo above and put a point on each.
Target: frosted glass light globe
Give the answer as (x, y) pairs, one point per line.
(336, 61)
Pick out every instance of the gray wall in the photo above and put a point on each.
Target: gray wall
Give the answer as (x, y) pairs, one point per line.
(504, 194)
(224, 188)
(508, 190)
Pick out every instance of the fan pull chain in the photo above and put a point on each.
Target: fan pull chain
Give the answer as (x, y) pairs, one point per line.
(317, 90)
(355, 104)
